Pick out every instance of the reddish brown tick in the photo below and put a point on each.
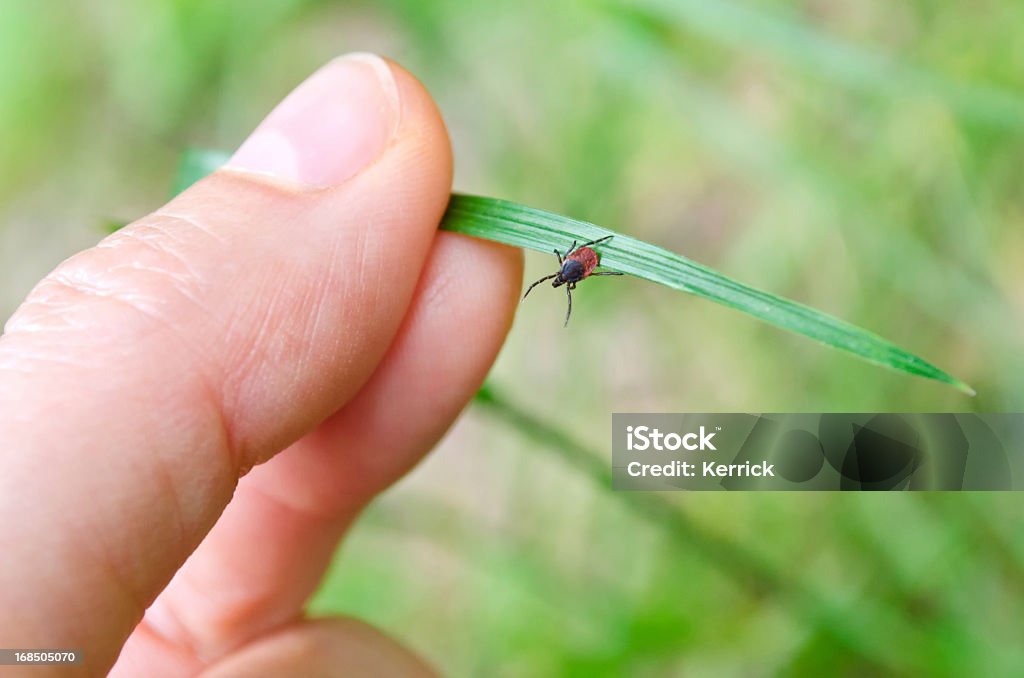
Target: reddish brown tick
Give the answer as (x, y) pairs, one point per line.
(576, 264)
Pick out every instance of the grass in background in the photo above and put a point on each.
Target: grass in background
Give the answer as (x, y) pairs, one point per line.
(864, 157)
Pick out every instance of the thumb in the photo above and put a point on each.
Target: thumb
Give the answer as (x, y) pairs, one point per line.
(153, 369)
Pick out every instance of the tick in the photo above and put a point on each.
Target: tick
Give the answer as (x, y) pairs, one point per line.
(576, 264)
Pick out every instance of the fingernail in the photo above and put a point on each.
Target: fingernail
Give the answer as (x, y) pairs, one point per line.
(329, 128)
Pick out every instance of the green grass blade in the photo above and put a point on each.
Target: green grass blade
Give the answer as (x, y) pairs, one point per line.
(196, 163)
(521, 226)
(514, 224)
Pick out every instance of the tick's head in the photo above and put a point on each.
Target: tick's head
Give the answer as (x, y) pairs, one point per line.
(572, 271)
(558, 281)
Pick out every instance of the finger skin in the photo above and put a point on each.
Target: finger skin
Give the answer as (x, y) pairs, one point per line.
(330, 647)
(143, 376)
(272, 545)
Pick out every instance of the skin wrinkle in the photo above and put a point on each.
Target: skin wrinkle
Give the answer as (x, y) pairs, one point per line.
(22, 360)
(264, 341)
(166, 624)
(353, 294)
(363, 253)
(119, 583)
(238, 382)
(287, 504)
(154, 234)
(172, 492)
(76, 286)
(19, 323)
(256, 335)
(190, 220)
(320, 293)
(185, 633)
(41, 315)
(372, 263)
(55, 290)
(314, 333)
(52, 294)
(437, 292)
(74, 276)
(139, 267)
(319, 309)
(68, 279)
(173, 629)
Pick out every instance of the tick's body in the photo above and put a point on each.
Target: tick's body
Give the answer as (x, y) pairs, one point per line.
(575, 265)
(579, 265)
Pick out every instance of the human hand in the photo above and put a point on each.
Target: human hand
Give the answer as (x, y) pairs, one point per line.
(302, 300)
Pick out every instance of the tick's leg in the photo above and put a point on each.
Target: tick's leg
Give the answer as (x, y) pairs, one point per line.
(608, 273)
(571, 248)
(568, 313)
(547, 277)
(598, 241)
(559, 255)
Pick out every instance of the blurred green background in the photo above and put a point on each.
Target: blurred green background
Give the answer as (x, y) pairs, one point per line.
(864, 157)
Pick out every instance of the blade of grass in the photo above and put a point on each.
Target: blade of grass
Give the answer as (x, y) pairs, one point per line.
(514, 224)
(196, 163)
(521, 226)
